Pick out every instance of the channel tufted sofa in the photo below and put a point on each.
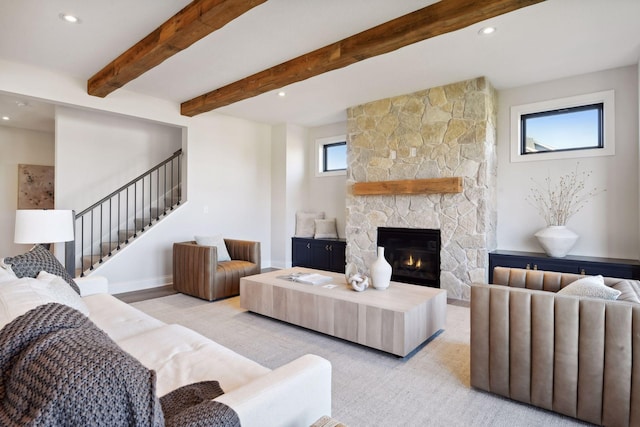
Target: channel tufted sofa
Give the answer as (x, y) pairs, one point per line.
(578, 356)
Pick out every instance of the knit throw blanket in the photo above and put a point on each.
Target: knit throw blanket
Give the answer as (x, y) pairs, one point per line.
(57, 368)
(191, 405)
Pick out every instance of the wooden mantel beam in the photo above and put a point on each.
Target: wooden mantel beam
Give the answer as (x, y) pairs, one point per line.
(195, 21)
(439, 18)
(408, 186)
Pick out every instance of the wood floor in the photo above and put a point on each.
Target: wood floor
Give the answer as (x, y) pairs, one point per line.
(146, 294)
(162, 291)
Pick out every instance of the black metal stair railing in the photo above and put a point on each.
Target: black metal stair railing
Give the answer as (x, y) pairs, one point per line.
(113, 221)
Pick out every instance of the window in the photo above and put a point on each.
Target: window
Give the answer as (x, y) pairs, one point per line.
(335, 156)
(565, 129)
(331, 156)
(580, 126)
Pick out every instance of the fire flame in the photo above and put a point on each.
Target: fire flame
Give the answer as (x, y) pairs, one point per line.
(411, 263)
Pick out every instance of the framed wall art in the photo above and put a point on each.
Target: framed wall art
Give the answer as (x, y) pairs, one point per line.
(35, 187)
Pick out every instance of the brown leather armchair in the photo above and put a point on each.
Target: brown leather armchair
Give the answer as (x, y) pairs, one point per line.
(197, 271)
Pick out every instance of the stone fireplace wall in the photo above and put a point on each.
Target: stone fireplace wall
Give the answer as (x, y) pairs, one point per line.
(440, 132)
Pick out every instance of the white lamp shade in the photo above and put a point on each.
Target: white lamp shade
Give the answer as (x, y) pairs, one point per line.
(43, 226)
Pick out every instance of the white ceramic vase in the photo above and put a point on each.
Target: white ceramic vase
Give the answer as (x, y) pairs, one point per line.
(380, 271)
(557, 240)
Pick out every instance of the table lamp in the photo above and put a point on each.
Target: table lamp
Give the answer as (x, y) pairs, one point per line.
(45, 226)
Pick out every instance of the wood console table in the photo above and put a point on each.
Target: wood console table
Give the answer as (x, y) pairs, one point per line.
(396, 320)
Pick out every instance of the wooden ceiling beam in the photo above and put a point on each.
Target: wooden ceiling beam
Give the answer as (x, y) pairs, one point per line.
(434, 20)
(195, 21)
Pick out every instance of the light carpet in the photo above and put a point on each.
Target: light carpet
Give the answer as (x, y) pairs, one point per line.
(370, 388)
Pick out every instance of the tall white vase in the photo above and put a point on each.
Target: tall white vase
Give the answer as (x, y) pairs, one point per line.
(557, 240)
(380, 271)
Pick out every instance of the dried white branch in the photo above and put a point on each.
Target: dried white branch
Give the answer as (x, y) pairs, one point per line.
(557, 203)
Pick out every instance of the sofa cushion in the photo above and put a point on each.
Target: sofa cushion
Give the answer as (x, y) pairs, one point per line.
(629, 290)
(21, 295)
(590, 286)
(181, 356)
(38, 259)
(218, 242)
(117, 318)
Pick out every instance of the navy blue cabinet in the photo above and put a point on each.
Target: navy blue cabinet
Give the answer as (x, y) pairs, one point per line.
(321, 254)
(608, 267)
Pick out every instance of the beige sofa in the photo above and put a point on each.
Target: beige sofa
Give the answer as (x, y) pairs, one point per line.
(574, 355)
(294, 394)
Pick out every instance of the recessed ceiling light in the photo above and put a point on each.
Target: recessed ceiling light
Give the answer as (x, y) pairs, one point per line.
(6, 118)
(485, 31)
(69, 18)
(282, 94)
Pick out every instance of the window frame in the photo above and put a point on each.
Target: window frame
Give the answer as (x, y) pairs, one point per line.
(606, 98)
(321, 143)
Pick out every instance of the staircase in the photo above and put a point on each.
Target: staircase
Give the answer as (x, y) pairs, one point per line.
(109, 225)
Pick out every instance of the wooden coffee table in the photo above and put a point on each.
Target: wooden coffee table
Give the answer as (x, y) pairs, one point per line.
(396, 320)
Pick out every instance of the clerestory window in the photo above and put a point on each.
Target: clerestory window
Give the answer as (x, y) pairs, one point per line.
(581, 126)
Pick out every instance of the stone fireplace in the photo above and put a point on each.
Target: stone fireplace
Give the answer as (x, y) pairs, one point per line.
(447, 131)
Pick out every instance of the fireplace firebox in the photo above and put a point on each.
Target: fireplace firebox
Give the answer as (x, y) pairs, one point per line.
(414, 254)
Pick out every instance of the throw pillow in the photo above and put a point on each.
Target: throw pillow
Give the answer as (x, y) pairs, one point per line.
(590, 286)
(326, 229)
(305, 223)
(55, 287)
(218, 242)
(629, 290)
(6, 275)
(36, 260)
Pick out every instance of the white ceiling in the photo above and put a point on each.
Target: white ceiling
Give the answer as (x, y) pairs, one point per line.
(553, 39)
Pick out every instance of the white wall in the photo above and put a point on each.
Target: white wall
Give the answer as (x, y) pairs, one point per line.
(296, 188)
(229, 170)
(228, 166)
(96, 153)
(608, 225)
(18, 146)
(289, 190)
(279, 196)
(329, 193)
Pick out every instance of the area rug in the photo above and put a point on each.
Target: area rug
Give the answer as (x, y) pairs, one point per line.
(430, 387)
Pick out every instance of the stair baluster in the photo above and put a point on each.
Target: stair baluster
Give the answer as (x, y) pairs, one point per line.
(114, 234)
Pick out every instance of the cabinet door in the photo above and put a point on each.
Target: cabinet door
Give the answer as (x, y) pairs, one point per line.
(508, 261)
(320, 255)
(531, 263)
(337, 257)
(301, 252)
(610, 270)
(562, 266)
